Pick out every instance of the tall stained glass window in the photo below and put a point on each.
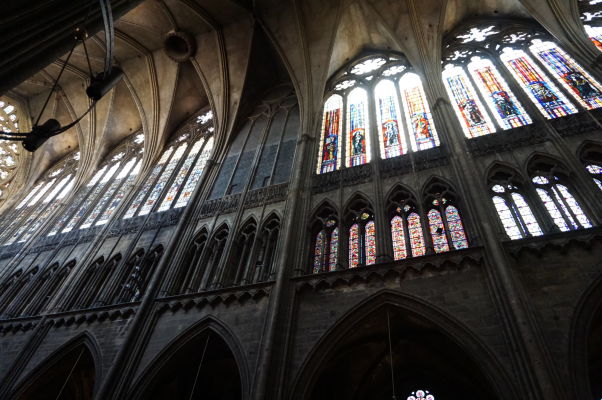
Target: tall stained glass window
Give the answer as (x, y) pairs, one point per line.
(416, 235)
(332, 122)
(326, 247)
(392, 140)
(591, 15)
(398, 236)
(319, 251)
(504, 106)
(514, 212)
(354, 246)
(469, 109)
(195, 175)
(383, 89)
(370, 243)
(437, 231)
(585, 89)
(358, 140)
(545, 95)
(39, 205)
(560, 203)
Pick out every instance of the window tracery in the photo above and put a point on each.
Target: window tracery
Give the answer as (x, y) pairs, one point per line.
(10, 151)
(362, 233)
(383, 89)
(406, 226)
(591, 15)
(512, 207)
(557, 196)
(591, 157)
(445, 223)
(172, 180)
(498, 57)
(326, 241)
(36, 207)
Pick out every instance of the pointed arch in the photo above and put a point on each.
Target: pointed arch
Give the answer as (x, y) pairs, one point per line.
(208, 325)
(475, 350)
(81, 352)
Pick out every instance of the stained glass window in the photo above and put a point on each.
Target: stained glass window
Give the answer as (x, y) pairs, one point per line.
(370, 243)
(123, 190)
(507, 219)
(585, 89)
(108, 194)
(561, 205)
(74, 206)
(180, 176)
(358, 138)
(319, 251)
(162, 181)
(596, 173)
(542, 92)
(470, 111)
(504, 106)
(527, 215)
(437, 231)
(421, 395)
(391, 137)
(399, 243)
(148, 184)
(416, 235)
(330, 150)
(354, 246)
(423, 134)
(334, 248)
(98, 189)
(456, 229)
(195, 175)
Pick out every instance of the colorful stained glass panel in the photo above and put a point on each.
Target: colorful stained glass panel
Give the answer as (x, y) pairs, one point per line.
(456, 228)
(180, 176)
(319, 251)
(116, 200)
(585, 89)
(542, 92)
(330, 141)
(354, 246)
(391, 137)
(507, 219)
(195, 175)
(370, 243)
(399, 243)
(423, 134)
(506, 109)
(358, 139)
(437, 231)
(334, 249)
(416, 235)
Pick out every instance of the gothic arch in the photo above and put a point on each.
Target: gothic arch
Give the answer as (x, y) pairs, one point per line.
(92, 356)
(209, 324)
(505, 168)
(457, 333)
(325, 204)
(355, 197)
(586, 319)
(538, 159)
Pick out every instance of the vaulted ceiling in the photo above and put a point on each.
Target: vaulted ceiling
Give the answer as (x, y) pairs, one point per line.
(310, 38)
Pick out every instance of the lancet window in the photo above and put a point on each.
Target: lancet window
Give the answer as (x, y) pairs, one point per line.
(499, 75)
(591, 15)
(172, 180)
(39, 204)
(512, 207)
(406, 226)
(558, 197)
(381, 92)
(361, 234)
(97, 200)
(445, 223)
(326, 241)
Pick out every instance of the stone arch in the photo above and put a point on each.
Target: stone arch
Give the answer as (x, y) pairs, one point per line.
(357, 196)
(589, 151)
(240, 253)
(586, 327)
(543, 161)
(80, 373)
(505, 168)
(496, 378)
(264, 259)
(209, 327)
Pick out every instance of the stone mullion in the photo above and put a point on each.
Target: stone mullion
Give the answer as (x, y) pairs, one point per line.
(565, 206)
(172, 288)
(384, 246)
(29, 297)
(448, 237)
(426, 229)
(248, 276)
(406, 233)
(202, 266)
(404, 122)
(245, 260)
(273, 237)
(18, 296)
(519, 324)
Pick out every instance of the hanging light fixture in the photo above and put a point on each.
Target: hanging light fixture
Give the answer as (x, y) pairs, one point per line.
(100, 85)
